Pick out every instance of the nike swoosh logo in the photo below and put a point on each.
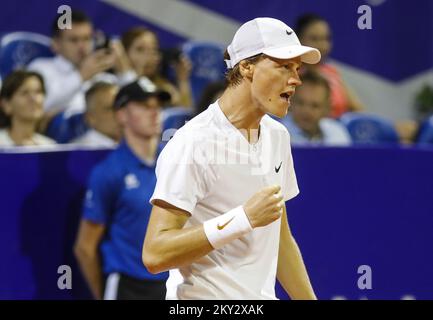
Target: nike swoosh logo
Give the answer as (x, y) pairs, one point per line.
(289, 33)
(225, 224)
(278, 169)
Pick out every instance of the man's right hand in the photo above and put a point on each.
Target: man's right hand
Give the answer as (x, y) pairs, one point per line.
(96, 62)
(265, 206)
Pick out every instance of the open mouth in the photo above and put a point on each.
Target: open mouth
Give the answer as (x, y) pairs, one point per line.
(286, 96)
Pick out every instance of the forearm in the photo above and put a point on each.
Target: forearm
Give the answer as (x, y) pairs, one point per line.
(90, 266)
(169, 245)
(292, 273)
(185, 97)
(173, 248)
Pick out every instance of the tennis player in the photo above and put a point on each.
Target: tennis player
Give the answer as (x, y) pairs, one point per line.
(219, 221)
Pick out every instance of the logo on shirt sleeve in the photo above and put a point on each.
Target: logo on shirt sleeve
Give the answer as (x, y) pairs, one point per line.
(131, 181)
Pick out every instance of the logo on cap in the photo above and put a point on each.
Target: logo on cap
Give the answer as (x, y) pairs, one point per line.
(289, 32)
(146, 85)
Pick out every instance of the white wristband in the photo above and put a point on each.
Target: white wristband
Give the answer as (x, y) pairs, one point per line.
(227, 227)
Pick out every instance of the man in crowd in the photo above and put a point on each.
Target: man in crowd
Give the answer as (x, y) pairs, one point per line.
(69, 74)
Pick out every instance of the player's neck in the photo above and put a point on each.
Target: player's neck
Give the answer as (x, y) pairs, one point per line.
(237, 106)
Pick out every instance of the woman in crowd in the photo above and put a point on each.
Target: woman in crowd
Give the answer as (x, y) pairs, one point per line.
(21, 100)
(142, 48)
(314, 31)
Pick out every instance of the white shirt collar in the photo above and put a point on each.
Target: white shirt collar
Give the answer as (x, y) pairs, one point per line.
(228, 127)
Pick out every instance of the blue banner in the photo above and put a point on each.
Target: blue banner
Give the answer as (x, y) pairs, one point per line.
(363, 221)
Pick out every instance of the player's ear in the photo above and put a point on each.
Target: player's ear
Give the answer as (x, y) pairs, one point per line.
(246, 69)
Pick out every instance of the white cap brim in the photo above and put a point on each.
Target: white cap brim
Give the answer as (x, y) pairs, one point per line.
(308, 54)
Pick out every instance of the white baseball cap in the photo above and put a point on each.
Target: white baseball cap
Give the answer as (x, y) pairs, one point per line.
(271, 37)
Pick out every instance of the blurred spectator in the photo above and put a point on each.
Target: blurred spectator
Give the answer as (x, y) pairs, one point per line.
(142, 47)
(407, 130)
(308, 122)
(70, 73)
(99, 116)
(314, 31)
(210, 94)
(4, 120)
(22, 98)
(117, 209)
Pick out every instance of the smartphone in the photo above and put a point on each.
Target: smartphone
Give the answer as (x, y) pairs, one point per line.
(101, 41)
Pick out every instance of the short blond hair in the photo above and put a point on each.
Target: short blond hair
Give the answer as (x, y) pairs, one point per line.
(233, 75)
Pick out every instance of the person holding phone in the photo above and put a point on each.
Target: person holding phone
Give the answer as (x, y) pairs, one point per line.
(77, 65)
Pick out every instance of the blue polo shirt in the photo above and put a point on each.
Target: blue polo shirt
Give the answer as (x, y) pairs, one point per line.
(118, 197)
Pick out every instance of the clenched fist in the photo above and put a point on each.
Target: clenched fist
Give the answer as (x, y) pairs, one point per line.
(265, 206)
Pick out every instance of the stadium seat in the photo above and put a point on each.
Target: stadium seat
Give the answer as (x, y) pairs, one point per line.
(18, 49)
(208, 65)
(425, 134)
(63, 128)
(369, 129)
(172, 119)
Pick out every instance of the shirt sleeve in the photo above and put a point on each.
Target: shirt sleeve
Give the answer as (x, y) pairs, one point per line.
(290, 183)
(99, 199)
(182, 175)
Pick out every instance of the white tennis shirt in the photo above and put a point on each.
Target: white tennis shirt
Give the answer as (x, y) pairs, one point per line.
(209, 168)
